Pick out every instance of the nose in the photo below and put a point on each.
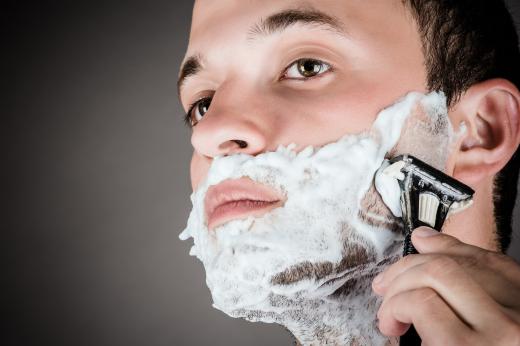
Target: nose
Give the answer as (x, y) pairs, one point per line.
(231, 129)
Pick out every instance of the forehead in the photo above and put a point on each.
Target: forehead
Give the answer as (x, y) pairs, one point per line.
(233, 18)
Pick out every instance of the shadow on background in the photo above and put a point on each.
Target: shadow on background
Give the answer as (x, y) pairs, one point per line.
(99, 191)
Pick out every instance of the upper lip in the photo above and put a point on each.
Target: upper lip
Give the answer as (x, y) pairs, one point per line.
(237, 190)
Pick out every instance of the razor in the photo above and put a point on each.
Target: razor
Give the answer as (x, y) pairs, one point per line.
(428, 198)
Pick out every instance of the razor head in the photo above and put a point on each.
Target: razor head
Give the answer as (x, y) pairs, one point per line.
(428, 196)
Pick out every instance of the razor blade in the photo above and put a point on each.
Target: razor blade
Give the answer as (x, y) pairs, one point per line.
(428, 196)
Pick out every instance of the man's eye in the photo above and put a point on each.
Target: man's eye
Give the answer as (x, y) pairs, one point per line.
(197, 110)
(306, 68)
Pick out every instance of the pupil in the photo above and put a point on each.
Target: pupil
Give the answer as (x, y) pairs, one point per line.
(203, 107)
(309, 68)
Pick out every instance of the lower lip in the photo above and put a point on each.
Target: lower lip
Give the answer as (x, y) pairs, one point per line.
(239, 210)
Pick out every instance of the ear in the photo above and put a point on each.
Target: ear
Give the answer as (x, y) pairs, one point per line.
(490, 110)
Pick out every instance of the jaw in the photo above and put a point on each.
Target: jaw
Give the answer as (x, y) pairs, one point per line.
(345, 316)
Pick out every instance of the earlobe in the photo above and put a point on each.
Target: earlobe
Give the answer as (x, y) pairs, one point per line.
(490, 110)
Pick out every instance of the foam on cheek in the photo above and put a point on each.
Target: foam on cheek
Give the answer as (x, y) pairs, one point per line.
(428, 135)
(289, 254)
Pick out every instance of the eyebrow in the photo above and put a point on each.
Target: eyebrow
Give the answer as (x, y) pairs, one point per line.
(190, 67)
(275, 23)
(279, 21)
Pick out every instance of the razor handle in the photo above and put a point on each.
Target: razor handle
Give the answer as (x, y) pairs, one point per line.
(427, 195)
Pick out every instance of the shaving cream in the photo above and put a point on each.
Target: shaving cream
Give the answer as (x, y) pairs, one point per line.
(308, 264)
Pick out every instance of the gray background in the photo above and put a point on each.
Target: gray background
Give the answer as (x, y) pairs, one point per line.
(98, 186)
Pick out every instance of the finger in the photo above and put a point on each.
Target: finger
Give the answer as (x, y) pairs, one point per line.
(497, 273)
(494, 282)
(432, 318)
(446, 277)
(427, 240)
(422, 237)
(384, 279)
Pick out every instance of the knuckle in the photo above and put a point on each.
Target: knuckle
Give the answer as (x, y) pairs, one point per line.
(406, 261)
(489, 257)
(426, 301)
(476, 261)
(425, 296)
(441, 265)
(483, 259)
(451, 242)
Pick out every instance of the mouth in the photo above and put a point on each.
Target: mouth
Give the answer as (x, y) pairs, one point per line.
(239, 199)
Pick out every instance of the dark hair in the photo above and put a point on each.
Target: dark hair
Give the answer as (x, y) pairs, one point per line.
(466, 42)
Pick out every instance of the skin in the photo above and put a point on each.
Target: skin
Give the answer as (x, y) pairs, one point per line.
(377, 59)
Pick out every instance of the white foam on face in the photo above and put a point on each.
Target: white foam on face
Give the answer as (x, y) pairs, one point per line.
(288, 265)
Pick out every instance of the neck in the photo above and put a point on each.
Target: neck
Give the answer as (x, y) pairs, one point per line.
(476, 225)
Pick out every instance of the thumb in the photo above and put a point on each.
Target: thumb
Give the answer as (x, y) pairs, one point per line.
(428, 240)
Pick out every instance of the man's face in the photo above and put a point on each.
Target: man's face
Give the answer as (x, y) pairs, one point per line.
(305, 72)
(261, 75)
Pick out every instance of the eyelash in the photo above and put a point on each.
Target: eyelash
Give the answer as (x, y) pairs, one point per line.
(188, 118)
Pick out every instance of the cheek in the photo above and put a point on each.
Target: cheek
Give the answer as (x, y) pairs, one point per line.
(330, 115)
(198, 169)
(346, 105)
(351, 113)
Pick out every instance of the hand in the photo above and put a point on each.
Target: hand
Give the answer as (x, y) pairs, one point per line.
(452, 292)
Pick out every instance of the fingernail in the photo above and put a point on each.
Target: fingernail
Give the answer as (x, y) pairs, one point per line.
(425, 232)
(378, 279)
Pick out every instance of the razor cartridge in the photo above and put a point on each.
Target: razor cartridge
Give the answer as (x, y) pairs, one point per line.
(428, 196)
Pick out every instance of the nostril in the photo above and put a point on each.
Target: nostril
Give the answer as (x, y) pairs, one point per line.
(241, 144)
